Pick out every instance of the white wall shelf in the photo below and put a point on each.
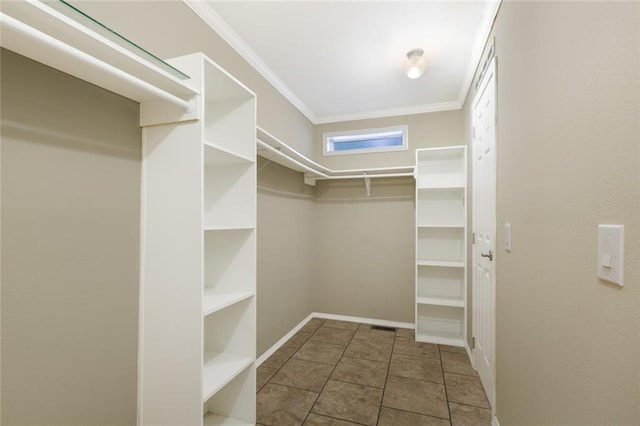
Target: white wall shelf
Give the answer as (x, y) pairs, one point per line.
(444, 264)
(213, 301)
(218, 156)
(456, 303)
(441, 228)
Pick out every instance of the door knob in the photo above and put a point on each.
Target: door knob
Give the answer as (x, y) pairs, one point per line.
(489, 255)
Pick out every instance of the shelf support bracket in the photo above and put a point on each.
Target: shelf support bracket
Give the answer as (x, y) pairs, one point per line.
(367, 184)
(310, 179)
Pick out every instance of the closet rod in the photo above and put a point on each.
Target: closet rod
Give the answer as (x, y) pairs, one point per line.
(288, 148)
(380, 175)
(13, 28)
(296, 162)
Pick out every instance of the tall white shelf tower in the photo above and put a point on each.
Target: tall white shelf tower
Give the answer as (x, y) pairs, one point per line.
(198, 295)
(441, 245)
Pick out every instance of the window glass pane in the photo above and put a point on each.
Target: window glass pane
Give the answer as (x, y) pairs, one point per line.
(364, 141)
(367, 143)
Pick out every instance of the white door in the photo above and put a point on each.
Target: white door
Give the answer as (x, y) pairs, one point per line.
(484, 228)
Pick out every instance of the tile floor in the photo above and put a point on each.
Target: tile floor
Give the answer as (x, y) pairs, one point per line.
(343, 373)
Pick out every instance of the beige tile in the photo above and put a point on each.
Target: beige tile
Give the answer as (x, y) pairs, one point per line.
(299, 338)
(335, 336)
(317, 420)
(391, 417)
(447, 348)
(361, 372)
(365, 332)
(416, 396)
(465, 415)
(457, 362)
(410, 347)
(320, 352)
(312, 325)
(303, 375)
(345, 325)
(280, 356)
(281, 405)
(351, 402)
(408, 333)
(416, 367)
(263, 375)
(364, 349)
(465, 390)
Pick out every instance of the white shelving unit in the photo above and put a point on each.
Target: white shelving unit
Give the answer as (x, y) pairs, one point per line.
(199, 258)
(441, 245)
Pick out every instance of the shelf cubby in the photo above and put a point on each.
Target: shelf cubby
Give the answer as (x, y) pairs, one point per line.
(227, 351)
(440, 324)
(441, 168)
(226, 256)
(441, 244)
(232, 405)
(229, 114)
(229, 195)
(441, 207)
(441, 283)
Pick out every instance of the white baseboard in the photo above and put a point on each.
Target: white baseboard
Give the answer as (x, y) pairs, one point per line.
(282, 341)
(372, 321)
(470, 355)
(262, 358)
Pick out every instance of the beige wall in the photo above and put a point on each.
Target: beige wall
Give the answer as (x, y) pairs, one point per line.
(70, 249)
(285, 252)
(425, 131)
(169, 29)
(568, 344)
(365, 249)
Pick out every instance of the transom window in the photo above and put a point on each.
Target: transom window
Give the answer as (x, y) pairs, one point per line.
(364, 141)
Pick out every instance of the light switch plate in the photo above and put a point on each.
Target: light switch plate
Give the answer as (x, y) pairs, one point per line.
(611, 253)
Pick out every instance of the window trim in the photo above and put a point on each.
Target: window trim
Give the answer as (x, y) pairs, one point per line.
(365, 132)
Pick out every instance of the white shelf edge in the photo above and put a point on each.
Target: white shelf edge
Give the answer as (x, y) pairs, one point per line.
(228, 228)
(441, 225)
(239, 157)
(440, 340)
(439, 187)
(444, 263)
(217, 420)
(220, 370)
(213, 301)
(453, 303)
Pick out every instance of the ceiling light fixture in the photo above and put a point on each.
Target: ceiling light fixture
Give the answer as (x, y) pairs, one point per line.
(415, 63)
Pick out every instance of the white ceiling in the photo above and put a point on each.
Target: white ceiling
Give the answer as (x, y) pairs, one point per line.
(342, 60)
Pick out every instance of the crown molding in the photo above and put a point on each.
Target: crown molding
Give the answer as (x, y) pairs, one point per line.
(391, 112)
(484, 31)
(211, 18)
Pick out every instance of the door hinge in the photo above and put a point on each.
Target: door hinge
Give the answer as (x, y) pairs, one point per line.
(473, 343)
(473, 238)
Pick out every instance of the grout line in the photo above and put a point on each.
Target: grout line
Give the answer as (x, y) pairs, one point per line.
(329, 378)
(384, 389)
(444, 384)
